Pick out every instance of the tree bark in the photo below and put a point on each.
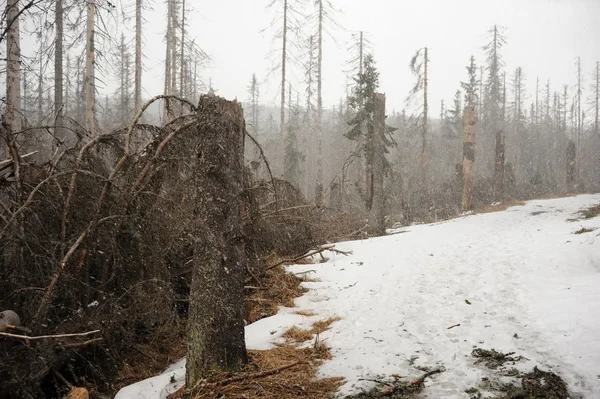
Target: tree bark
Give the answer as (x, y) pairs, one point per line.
(216, 326)
(58, 74)
(13, 72)
(377, 197)
(468, 157)
(90, 80)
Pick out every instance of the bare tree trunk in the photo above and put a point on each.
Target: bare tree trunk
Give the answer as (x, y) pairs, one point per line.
(182, 48)
(58, 74)
(25, 94)
(90, 84)
(377, 198)
(500, 153)
(123, 107)
(174, 57)
(13, 70)
(468, 158)
(138, 56)
(283, 62)
(425, 109)
(168, 65)
(596, 104)
(571, 166)
(319, 186)
(40, 115)
(12, 250)
(215, 328)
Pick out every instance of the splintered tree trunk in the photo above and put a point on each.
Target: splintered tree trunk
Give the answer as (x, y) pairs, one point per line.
(377, 199)
(90, 80)
(215, 329)
(13, 71)
(468, 158)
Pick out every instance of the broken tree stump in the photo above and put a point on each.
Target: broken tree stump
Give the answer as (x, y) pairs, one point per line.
(215, 327)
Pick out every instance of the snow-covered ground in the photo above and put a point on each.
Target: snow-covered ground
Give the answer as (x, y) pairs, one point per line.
(522, 271)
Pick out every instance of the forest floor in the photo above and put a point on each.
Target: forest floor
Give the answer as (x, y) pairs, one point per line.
(485, 301)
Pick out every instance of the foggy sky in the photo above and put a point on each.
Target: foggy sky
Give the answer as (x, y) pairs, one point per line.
(543, 37)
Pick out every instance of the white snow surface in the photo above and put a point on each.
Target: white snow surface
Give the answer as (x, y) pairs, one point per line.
(523, 270)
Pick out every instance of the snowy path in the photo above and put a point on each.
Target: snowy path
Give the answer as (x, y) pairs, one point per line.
(523, 271)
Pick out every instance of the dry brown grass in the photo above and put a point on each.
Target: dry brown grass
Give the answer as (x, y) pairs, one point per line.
(296, 382)
(280, 289)
(306, 313)
(298, 335)
(497, 208)
(321, 326)
(584, 230)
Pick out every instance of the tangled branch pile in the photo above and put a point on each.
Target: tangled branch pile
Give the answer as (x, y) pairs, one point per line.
(100, 239)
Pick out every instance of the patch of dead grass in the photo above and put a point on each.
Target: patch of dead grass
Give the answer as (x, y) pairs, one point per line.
(321, 326)
(588, 213)
(306, 313)
(294, 382)
(279, 289)
(591, 212)
(584, 230)
(298, 335)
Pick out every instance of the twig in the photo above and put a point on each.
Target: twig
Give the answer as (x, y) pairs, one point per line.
(81, 344)
(57, 336)
(297, 258)
(418, 383)
(451, 327)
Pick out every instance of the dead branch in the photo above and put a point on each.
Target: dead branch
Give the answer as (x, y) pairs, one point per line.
(250, 376)
(418, 383)
(258, 374)
(297, 258)
(264, 158)
(451, 327)
(82, 344)
(57, 336)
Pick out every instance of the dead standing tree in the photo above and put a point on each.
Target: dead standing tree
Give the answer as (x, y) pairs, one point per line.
(468, 157)
(216, 322)
(376, 142)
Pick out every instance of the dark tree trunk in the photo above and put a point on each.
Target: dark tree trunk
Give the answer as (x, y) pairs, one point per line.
(571, 166)
(376, 198)
(468, 175)
(499, 166)
(216, 321)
